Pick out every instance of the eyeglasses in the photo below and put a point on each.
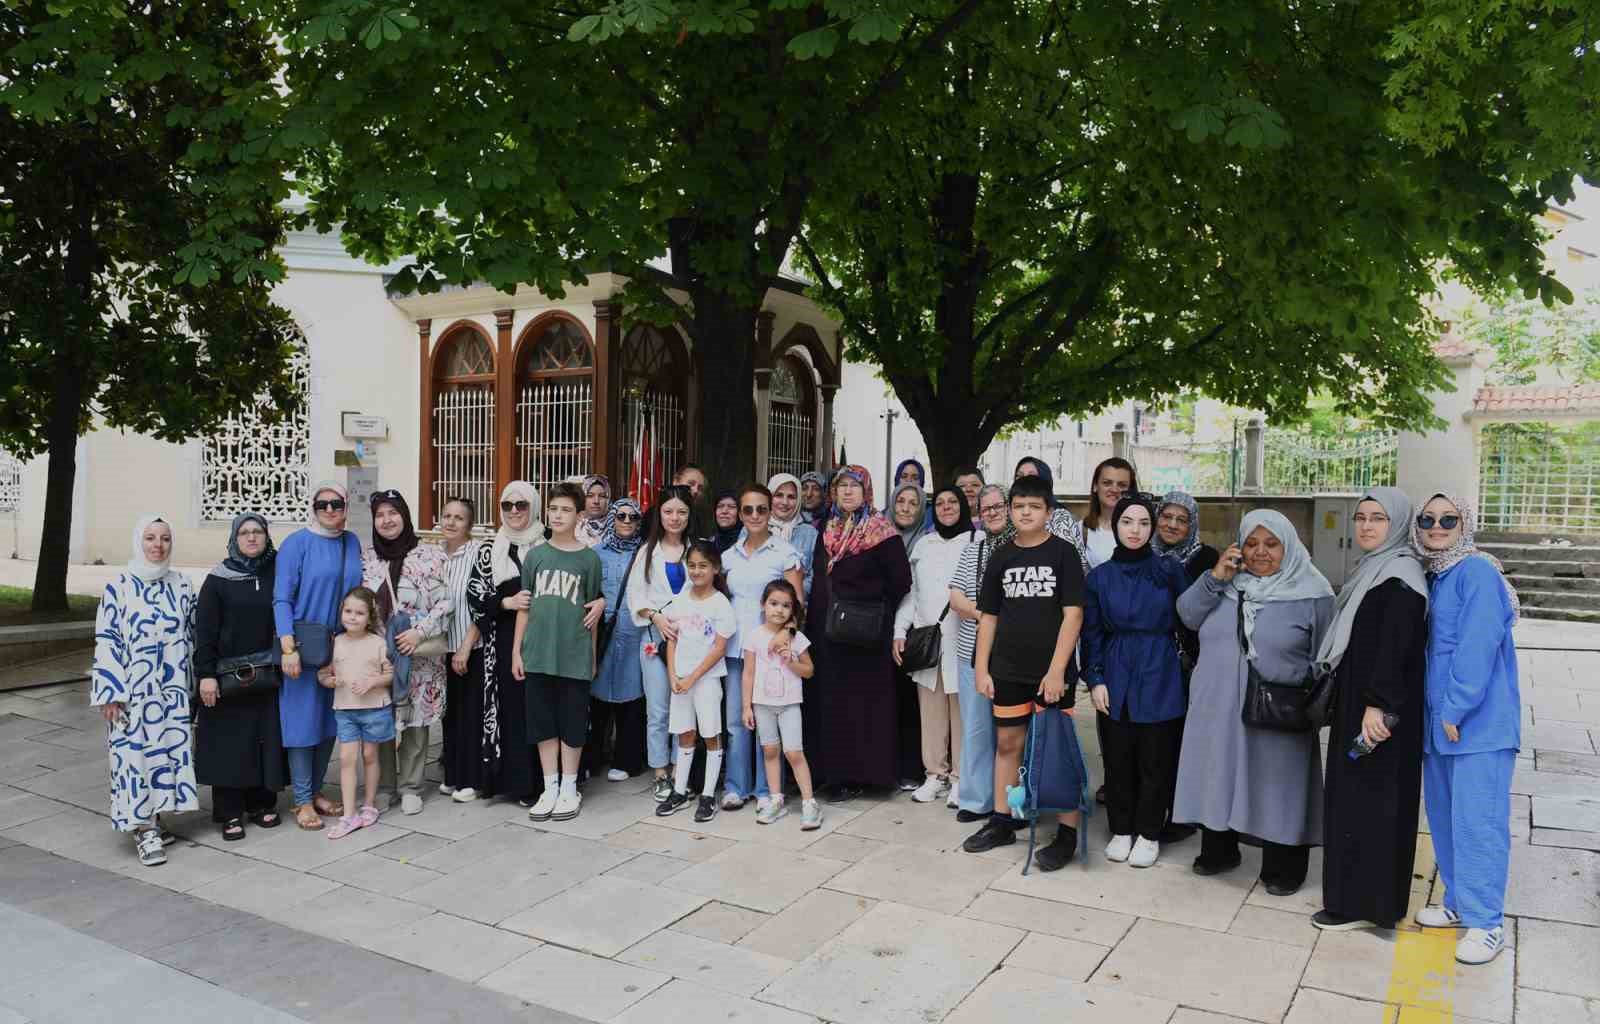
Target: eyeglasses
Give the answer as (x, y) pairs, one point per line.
(755, 510)
(329, 505)
(627, 517)
(520, 506)
(1446, 522)
(1376, 517)
(984, 510)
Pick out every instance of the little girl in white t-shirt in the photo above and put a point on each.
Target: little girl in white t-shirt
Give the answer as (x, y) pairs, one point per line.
(775, 662)
(704, 620)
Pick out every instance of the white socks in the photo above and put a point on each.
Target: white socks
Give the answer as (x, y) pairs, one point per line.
(713, 771)
(552, 784)
(680, 771)
(569, 785)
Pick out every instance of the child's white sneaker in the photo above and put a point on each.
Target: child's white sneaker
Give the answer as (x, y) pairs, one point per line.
(775, 807)
(1119, 848)
(545, 806)
(1438, 917)
(810, 816)
(1480, 945)
(929, 791)
(1145, 853)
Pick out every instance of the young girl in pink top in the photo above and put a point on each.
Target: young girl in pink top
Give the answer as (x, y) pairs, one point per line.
(775, 663)
(359, 676)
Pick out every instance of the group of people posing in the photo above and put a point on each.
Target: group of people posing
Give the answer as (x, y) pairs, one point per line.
(802, 622)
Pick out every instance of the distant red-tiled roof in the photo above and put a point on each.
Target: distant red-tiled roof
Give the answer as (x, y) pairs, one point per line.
(1574, 399)
(1453, 346)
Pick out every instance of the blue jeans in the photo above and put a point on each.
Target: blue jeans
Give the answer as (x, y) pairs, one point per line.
(1468, 797)
(975, 790)
(741, 761)
(657, 702)
(308, 766)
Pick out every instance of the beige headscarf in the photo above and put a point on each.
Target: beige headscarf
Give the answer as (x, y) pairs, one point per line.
(533, 536)
(140, 566)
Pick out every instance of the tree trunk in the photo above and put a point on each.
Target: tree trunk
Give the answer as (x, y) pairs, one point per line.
(954, 440)
(55, 540)
(724, 333)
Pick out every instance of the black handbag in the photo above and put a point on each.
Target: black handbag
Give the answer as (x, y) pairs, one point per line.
(1282, 707)
(855, 623)
(313, 641)
(924, 645)
(247, 674)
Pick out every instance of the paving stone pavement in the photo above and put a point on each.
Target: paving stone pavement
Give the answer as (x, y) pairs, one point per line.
(471, 912)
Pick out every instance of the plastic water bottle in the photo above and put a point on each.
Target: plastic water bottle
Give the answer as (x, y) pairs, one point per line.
(1360, 748)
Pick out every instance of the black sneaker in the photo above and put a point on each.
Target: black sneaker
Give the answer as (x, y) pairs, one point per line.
(1205, 867)
(707, 808)
(674, 803)
(998, 832)
(1328, 921)
(1060, 851)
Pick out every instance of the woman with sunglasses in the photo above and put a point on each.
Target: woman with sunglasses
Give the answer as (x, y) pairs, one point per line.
(1473, 727)
(657, 578)
(316, 567)
(617, 694)
(757, 557)
(506, 764)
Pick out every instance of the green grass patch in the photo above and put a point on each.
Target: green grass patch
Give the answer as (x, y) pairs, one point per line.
(15, 601)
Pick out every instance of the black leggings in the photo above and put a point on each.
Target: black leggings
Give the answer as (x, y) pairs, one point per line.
(1280, 865)
(627, 752)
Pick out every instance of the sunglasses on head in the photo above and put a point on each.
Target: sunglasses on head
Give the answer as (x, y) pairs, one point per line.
(520, 506)
(329, 505)
(1446, 522)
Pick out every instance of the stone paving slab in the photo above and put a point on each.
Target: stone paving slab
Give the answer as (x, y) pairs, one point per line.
(1536, 1007)
(1017, 994)
(603, 915)
(1248, 978)
(1361, 964)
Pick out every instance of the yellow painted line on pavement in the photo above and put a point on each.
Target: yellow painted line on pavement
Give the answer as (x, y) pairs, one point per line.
(1422, 979)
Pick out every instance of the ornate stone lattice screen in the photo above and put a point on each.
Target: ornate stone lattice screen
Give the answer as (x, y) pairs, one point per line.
(10, 482)
(252, 464)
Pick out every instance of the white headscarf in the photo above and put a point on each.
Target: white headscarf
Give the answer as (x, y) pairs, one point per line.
(532, 537)
(784, 528)
(1464, 547)
(1393, 559)
(344, 496)
(138, 565)
(1296, 579)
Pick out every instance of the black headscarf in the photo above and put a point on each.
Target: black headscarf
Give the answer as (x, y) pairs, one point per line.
(725, 536)
(1045, 474)
(1124, 553)
(963, 523)
(393, 551)
(236, 566)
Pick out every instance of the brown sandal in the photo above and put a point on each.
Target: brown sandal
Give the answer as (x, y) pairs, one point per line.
(327, 807)
(307, 818)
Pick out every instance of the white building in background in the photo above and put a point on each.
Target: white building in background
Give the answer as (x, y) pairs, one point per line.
(455, 393)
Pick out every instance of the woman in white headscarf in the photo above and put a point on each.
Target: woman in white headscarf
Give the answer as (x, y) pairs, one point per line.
(1232, 778)
(143, 641)
(495, 595)
(1375, 651)
(788, 521)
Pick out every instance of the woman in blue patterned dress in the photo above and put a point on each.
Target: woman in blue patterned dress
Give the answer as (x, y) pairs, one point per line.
(618, 691)
(144, 634)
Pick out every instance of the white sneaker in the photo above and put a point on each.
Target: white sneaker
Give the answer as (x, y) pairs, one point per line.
(464, 795)
(617, 775)
(950, 798)
(771, 810)
(1480, 945)
(1438, 917)
(810, 816)
(545, 807)
(732, 801)
(567, 807)
(1119, 848)
(411, 803)
(1145, 853)
(763, 802)
(446, 789)
(929, 791)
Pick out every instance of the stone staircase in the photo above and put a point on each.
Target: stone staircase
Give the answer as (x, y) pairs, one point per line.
(1553, 581)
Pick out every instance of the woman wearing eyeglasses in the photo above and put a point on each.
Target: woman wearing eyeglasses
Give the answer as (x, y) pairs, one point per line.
(617, 694)
(757, 557)
(1473, 728)
(316, 567)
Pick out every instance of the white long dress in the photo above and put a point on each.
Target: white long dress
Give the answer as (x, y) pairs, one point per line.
(143, 641)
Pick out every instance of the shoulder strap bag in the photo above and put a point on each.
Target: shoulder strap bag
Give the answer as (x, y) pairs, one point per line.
(436, 646)
(314, 640)
(246, 674)
(1282, 707)
(924, 645)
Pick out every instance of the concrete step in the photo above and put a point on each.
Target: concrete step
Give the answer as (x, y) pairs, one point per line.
(1532, 598)
(1504, 537)
(1535, 552)
(1587, 586)
(1566, 570)
(1562, 614)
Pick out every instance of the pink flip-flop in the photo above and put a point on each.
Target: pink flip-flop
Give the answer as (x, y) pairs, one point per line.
(347, 824)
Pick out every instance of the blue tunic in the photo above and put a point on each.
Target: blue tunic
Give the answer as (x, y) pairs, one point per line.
(1130, 616)
(1472, 661)
(308, 587)
(620, 678)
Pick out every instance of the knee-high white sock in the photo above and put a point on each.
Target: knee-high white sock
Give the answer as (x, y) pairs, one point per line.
(713, 770)
(680, 771)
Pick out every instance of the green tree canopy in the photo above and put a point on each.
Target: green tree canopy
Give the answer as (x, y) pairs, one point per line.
(1082, 204)
(140, 193)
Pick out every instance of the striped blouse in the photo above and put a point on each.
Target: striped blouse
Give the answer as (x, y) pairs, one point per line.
(457, 569)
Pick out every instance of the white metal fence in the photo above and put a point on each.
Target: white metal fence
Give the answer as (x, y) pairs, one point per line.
(463, 448)
(791, 441)
(666, 422)
(555, 431)
(1298, 464)
(1536, 477)
(10, 482)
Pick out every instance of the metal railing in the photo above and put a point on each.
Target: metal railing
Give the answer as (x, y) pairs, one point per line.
(666, 422)
(555, 439)
(791, 441)
(1296, 463)
(1537, 477)
(463, 448)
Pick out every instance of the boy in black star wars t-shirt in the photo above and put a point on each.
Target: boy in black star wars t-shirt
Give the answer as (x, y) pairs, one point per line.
(1031, 608)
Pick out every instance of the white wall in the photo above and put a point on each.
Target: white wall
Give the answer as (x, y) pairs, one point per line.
(1445, 460)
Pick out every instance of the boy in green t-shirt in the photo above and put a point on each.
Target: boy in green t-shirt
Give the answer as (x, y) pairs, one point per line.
(553, 650)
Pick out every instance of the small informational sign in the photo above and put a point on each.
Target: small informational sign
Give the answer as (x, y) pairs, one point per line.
(346, 458)
(361, 425)
(360, 482)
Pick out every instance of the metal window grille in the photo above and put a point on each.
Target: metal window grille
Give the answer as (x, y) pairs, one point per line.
(555, 422)
(666, 421)
(791, 441)
(10, 482)
(1298, 464)
(463, 447)
(1536, 477)
(251, 464)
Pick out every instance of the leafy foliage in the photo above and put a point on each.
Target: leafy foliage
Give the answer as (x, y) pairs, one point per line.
(1526, 335)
